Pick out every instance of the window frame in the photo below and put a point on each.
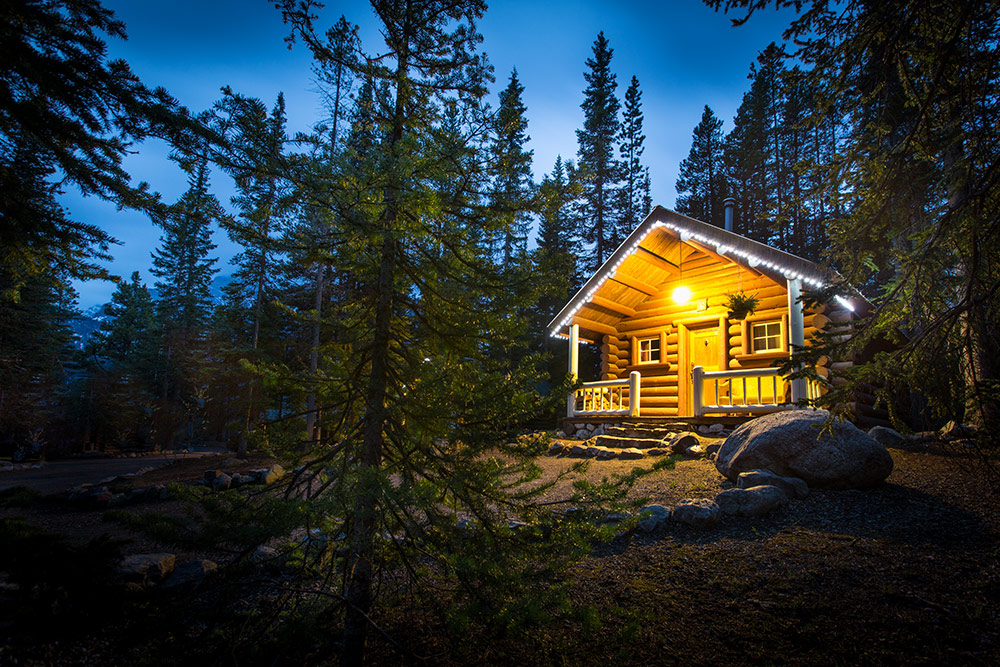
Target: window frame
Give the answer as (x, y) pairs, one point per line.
(766, 336)
(747, 335)
(650, 340)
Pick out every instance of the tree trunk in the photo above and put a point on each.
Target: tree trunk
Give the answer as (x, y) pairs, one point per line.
(312, 416)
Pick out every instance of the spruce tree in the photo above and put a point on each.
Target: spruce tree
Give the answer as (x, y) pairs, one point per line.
(184, 270)
(635, 201)
(423, 381)
(124, 338)
(69, 116)
(512, 191)
(599, 168)
(701, 183)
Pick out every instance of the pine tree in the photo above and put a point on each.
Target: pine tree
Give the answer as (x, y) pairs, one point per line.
(184, 270)
(756, 172)
(512, 192)
(421, 372)
(599, 169)
(69, 116)
(124, 338)
(256, 161)
(701, 184)
(635, 200)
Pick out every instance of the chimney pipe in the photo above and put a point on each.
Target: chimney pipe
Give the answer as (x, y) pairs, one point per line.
(730, 205)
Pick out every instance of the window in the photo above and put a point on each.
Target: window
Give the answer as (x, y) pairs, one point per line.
(649, 350)
(765, 336)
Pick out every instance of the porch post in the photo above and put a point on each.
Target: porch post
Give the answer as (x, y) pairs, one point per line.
(796, 330)
(574, 365)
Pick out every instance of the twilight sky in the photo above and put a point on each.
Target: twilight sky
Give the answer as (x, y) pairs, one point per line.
(684, 55)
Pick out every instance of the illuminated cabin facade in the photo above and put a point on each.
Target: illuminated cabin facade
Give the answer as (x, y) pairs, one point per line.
(670, 347)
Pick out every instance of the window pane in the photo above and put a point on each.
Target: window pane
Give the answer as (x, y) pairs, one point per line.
(649, 350)
(766, 336)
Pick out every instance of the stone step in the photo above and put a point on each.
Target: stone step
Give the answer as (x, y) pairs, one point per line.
(674, 427)
(620, 442)
(650, 432)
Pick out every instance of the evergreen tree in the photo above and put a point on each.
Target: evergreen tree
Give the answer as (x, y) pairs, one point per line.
(512, 192)
(915, 169)
(599, 169)
(255, 159)
(424, 348)
(701, 184)
(184, 270)
(757, 174)
(68, 116)
(635, 199)
(124, 337)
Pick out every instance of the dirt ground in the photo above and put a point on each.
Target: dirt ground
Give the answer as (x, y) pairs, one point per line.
(906, 573)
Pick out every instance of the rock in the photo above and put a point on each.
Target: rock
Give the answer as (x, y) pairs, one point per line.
(612, 518)
(598, 430)
(631, 453)
(680, 442)
(955, 431)
(605, 454)
(592, 452)
(789, 444)
(754, 501)
(273, 474)
(222, 482)
(886, 436)
(655, 517)
(716, 428)
(151, 568)
(190, 574)
(792, 486)
(620, 442)
(656, 451)
(696, 512)
(560, 434)
(263, 553)
(703, 429)
(696, 451)
(233, 462)
(555, 449)
(578, 451)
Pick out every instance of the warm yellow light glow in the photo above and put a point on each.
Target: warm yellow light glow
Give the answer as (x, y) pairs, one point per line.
(682, 295)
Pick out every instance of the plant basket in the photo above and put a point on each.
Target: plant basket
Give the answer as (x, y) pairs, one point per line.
(742, 305)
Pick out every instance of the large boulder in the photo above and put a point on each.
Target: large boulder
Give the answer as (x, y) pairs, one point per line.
(790, 444)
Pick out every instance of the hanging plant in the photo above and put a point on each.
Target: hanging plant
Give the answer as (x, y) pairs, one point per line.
(741, 305)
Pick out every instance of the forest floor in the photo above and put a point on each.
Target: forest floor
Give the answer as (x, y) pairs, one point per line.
(906, 573)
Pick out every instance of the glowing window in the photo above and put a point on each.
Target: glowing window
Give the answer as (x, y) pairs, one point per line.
(649, 350)
(766, 336)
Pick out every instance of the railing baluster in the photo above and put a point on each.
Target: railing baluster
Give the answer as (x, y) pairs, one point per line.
(716, 392)
(774, 388)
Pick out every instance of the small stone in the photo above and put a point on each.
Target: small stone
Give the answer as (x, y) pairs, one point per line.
(696, 512)
(190, 574)
(144, 568)
(222, 482)
(716, 428)
(655, 516)
(263, 554)
(955, 431)
(560, 434)
(695, 451)
(703, 429)
(753, 501)
(612, 518)
(630, 453)
(577, 451)
(680, 442)
(605, 454)
(592, 452)
(555, 449)
(792, 486)
(274, 473)
(886, 436)
(656, 451)
(713, 448)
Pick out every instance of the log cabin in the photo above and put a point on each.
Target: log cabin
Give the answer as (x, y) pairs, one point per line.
(670, 346)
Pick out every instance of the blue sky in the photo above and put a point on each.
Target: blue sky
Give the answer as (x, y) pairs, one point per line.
(684, 55)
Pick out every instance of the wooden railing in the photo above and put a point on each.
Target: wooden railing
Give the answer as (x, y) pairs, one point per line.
(756, 390)
(608, 397)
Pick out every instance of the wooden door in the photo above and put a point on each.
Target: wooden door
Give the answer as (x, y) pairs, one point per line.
(703, 349)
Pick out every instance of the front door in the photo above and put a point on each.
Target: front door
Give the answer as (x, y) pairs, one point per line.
(703, 350)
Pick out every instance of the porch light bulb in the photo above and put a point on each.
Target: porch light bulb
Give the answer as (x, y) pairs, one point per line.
(682, 295)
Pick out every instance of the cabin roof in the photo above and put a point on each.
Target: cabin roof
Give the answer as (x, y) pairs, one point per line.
(650, 255)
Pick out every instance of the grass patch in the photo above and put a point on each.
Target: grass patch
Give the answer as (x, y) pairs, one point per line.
(19, 496)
